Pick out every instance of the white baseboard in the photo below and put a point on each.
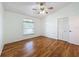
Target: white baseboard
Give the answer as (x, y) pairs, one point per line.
(0, 52)
(50, 36)
(75, 43)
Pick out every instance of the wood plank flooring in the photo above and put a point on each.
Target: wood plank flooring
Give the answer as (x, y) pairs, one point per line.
(40, 47)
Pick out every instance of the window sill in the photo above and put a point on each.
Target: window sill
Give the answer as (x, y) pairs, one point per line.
(28, 34)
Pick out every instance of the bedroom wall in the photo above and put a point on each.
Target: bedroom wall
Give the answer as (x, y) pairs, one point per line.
(50, 22)
(13, 28)
(1, 28)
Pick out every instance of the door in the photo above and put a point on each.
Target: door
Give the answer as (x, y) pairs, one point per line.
(63, 28)
(74, 26)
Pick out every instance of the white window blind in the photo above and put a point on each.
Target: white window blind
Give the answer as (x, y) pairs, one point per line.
(28, 26)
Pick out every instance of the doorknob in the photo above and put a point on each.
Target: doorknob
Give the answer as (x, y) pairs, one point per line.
(70, 31)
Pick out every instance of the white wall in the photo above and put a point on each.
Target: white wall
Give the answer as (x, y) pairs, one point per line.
(1, 31)
(51, 20)
(50, 27)
(13, 28)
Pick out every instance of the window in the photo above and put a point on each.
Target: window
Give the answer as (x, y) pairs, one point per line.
(28, 26)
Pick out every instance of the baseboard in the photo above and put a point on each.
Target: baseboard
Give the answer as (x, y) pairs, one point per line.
(62, 40)
(21, 40)
(0, 52)
(50, 37)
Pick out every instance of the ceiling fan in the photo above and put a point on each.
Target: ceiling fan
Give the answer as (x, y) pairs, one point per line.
(42, 8)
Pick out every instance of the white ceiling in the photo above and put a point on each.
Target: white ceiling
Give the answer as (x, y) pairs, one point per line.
(26, 7)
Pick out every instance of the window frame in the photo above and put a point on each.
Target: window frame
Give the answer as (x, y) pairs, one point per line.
(29, 28)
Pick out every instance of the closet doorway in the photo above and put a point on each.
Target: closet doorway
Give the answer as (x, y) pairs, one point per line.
(63, 28)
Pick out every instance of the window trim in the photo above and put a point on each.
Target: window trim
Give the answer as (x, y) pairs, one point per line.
(29, 28)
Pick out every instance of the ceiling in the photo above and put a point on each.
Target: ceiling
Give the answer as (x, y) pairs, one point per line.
(26, 7)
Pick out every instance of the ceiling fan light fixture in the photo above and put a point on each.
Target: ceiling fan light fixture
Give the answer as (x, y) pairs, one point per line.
(42, 9)
(42, 12)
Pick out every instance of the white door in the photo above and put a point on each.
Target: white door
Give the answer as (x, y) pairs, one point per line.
(74, 26)
(63, 28)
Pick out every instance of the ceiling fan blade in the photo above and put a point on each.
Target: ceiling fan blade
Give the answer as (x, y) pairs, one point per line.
(50, 8)
(34, 9)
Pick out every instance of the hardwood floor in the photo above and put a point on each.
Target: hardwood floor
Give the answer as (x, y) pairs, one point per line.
(40, 47)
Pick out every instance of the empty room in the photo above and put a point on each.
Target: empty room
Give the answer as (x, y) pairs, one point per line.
(39, 29)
